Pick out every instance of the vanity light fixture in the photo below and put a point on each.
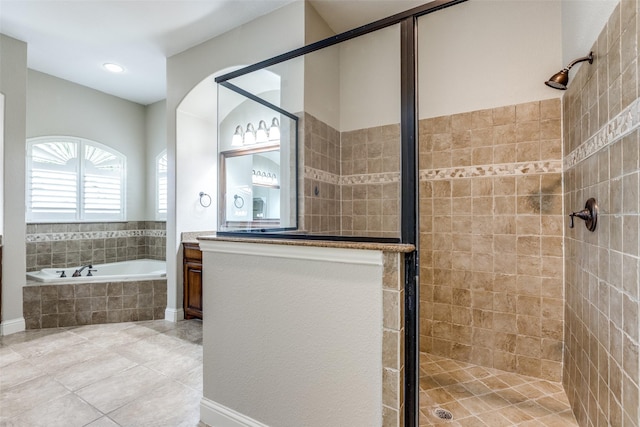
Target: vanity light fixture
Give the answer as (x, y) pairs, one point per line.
(237, 139)
(114, 68)
(250, 135)
(261, 133)
(560, 80)
(274, 130)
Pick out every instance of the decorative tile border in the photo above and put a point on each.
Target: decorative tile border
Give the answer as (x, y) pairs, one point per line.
(320, 175)
(371, 178)
(505, 169)
(88, 235)
(525, 168)
(620, 126)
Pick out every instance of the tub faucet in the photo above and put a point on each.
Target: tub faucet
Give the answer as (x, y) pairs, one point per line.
(78, 272)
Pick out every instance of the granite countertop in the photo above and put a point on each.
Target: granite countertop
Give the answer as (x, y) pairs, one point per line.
(192, 236)
(384, 247)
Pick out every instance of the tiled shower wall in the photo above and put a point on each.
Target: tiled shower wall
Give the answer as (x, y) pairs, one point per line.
(351, 180)
(321, 158)
(71, 244)
(601, 119)
(491, 238)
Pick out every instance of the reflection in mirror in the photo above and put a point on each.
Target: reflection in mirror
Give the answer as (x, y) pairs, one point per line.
(258, 160)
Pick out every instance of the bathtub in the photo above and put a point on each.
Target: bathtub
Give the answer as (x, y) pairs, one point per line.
(140, 269)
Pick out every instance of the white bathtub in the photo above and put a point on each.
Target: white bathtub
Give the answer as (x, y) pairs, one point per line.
(140, 269)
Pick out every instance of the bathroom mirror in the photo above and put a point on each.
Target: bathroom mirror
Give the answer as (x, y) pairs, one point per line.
(258, 152)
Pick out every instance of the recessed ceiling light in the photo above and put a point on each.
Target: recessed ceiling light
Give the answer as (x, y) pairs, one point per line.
(114, 68)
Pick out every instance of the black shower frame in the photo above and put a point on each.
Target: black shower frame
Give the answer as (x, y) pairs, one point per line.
(409, 173)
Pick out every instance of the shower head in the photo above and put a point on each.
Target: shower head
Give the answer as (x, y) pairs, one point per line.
(560, 79)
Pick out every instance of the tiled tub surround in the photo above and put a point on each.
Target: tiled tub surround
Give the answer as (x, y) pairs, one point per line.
(491, 290)
(351, 180)
(601, 113)
(52, 306)
(70, 244)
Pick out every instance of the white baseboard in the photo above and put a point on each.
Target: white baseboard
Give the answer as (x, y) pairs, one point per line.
(173, 315)
(217, 415)
(12, 326)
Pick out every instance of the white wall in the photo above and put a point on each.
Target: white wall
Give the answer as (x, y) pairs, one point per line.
(582, 22)
(321, 72)
(370, 80)
(59, 107)
(13, 83)
(196, 162)
(156, 142)
(263, 38)
(488, 53)
(292, 335)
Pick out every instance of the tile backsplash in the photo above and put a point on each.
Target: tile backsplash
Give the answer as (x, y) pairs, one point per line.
(62, 245)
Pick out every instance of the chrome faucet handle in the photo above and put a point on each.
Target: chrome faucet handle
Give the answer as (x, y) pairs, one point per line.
(89, 273)
(62, 273)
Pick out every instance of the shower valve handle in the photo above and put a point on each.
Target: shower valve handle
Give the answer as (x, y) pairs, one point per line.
(583, 214)
(90, 273)
(62, 273)
(589, 215)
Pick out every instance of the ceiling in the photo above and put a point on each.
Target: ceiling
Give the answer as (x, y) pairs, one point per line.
(72, 39)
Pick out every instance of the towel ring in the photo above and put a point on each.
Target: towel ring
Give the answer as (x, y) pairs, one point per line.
(238, 201)
(207, 199)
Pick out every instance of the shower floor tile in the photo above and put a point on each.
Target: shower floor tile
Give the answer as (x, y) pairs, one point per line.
(477, 396)
(119, 374)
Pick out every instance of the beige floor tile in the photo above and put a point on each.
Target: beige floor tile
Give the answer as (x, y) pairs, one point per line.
(115, 391)
(489, 397)
(193, 379)
(46, 344)
(46, 364)
(8, 356)
(148, 349)
(495, 419)
(63, 357)
(65, 411)
(18, 372)
(168, 404)
(116, 334)
(103, 422)
(175, 364)
(101, 366)
(28, 395)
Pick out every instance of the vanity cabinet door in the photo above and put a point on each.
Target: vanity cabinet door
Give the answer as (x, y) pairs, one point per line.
(192, 281)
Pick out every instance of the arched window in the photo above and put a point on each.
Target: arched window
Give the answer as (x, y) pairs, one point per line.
(161, 185)
(74, 179)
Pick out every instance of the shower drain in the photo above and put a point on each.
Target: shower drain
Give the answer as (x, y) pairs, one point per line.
(443, 414)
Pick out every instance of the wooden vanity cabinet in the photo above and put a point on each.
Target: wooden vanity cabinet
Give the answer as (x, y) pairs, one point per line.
(192, 262)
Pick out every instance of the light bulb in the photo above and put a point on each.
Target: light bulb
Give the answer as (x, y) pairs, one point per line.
(274, 130)
(261, 133)
(250, 135)
(236, 140)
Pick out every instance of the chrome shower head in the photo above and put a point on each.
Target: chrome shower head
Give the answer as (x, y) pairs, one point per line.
(560, 79)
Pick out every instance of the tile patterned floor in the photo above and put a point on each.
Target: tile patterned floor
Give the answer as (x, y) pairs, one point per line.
(120, 374)
(485, 397)
(150, 374)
